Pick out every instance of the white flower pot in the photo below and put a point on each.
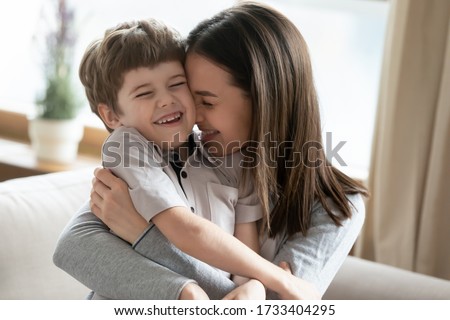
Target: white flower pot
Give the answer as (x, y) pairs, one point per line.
(55, 140)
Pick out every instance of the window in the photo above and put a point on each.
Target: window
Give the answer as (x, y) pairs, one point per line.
(23, 30)
(345, 39)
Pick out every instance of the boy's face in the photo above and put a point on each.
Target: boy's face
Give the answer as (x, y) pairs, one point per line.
(157, 102)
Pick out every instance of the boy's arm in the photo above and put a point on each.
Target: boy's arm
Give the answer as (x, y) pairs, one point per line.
(207, 242)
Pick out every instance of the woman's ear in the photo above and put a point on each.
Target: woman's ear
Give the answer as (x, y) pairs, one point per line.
(108, 116)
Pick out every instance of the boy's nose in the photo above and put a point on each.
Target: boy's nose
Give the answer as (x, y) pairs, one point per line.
(165, 100)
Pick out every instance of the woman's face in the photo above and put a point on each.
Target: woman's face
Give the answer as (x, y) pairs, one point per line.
(223, 111)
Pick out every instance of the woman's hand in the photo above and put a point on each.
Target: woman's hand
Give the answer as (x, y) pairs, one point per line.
(297, 288)
(111, 203)
(251, 290)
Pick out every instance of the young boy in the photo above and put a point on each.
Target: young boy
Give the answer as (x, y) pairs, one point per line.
(135, 82)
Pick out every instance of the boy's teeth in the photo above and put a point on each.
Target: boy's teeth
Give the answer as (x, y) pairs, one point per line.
(174, 117)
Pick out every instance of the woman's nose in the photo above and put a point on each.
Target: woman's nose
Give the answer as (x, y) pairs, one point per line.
(199, 115)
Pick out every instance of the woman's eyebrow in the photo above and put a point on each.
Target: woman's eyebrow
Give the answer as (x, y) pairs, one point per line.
(205, 94)
(178, 75)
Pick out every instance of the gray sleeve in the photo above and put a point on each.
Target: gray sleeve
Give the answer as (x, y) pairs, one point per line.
(154, 245)
(318, 256)
(89, 252)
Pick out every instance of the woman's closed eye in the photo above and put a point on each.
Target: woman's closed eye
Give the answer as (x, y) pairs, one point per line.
(206, 104)
(178, 84)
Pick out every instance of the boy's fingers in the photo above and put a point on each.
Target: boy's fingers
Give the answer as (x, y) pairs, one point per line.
(228, 297)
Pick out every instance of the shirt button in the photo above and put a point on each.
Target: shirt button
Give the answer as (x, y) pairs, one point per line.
(192, 209)
(183, 174)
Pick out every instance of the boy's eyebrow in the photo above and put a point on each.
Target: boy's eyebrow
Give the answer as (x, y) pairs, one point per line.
(206, 94)
(149, 84)
(138, 87)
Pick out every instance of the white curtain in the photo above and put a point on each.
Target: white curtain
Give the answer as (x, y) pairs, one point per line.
(408, 213)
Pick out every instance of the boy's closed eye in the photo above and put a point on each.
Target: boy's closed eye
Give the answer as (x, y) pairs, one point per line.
(142, 94)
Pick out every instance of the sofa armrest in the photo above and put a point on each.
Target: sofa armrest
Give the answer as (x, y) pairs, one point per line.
(360, 279)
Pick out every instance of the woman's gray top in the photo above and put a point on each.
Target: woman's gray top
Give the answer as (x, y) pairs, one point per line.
(155, 269)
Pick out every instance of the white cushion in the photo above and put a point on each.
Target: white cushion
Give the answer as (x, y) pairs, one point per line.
(33, 212)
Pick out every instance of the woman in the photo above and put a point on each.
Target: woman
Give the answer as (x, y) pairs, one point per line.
(312, 212)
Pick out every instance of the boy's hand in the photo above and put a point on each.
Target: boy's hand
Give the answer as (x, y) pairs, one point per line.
(251, 290)
(192, 291)
(297, 288)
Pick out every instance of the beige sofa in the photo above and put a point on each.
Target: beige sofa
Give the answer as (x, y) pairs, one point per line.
(34, 210)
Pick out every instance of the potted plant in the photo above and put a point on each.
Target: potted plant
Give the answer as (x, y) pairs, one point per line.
(55, 132)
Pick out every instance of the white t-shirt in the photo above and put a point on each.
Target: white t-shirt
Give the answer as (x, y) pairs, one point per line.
(210, 186)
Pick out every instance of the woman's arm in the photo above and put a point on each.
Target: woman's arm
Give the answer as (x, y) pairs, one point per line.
(318, 256)
(89, 252)
(154, 245)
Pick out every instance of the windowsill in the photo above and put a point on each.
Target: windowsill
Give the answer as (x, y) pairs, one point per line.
(18, 160)
(14, 126)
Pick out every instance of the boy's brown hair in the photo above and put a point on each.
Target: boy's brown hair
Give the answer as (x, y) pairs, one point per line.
(129, 45)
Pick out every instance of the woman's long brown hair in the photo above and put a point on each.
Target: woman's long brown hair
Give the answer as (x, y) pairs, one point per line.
(268, 58)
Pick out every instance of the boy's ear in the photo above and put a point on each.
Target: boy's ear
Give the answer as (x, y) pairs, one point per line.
(108, 116)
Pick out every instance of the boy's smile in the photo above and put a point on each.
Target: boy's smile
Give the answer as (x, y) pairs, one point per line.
(170, 119)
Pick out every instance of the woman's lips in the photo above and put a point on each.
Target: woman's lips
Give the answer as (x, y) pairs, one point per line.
(208, 135)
